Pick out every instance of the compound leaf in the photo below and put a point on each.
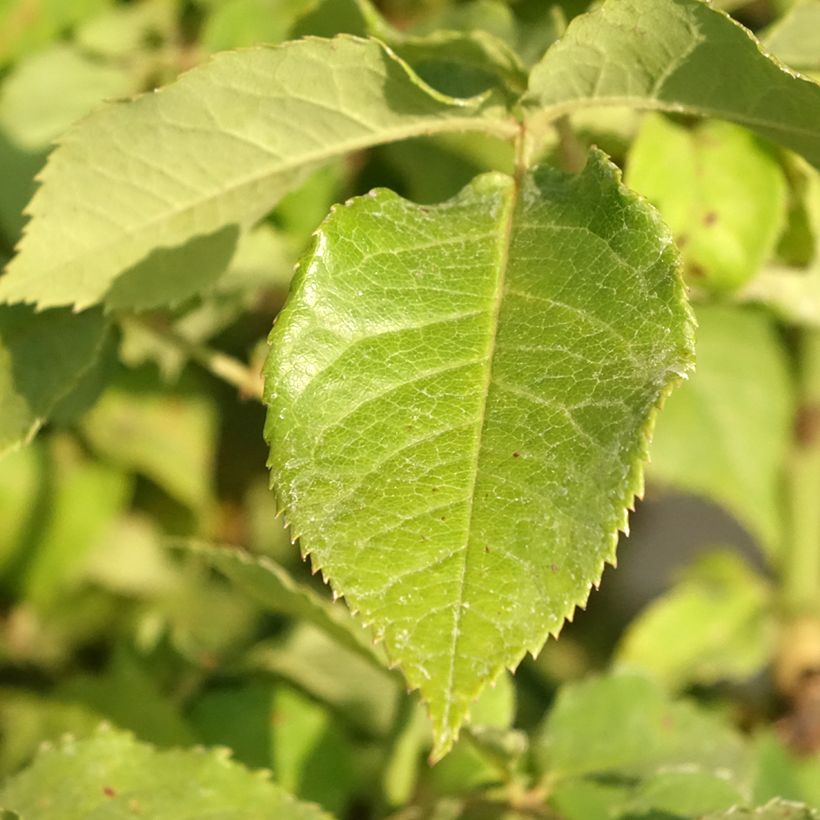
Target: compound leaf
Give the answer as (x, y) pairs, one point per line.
(459, 401)
(676, 55)
(112, 775)
(217, 148)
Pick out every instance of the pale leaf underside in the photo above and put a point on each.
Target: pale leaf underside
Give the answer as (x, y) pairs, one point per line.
(459, 402)
(219, 147)
(676, 55)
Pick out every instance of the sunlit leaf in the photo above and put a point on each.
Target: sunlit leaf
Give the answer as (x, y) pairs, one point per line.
(217, 148)
(676, 55)
(459, 398)
(112, 775)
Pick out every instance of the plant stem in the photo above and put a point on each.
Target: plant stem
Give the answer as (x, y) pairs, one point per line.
(246, 379)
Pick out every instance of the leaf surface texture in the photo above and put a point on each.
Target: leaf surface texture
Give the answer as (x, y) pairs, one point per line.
(218, 148)
(459, 400)
(677, 55)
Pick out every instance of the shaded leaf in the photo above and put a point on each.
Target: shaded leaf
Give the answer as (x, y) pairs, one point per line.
(716, 624)
(726, 433)
(218, 147)
(626, 725)
(366, 696)
(167, 436)
(43, 356)
(274, 588)
(459, 398)
(676, 55)
(112, 775)
(795, 38)
(78, 501)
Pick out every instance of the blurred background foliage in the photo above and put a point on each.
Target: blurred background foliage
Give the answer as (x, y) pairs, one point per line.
(146, 581)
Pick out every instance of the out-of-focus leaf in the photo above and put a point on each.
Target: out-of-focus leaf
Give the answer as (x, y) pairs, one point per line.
(239, 717)
(217, 148)
(626, 725)
(129, 560)
(401, 771)
(795, 37)
(50, 90)
(721, 192)
(726, 433)
(41, 97)
(124, 31)
(112, 775)
(22, 475)
(274, 588)
(81, 499)
(43, 356)
(167, 436)
(126, 694)
(24, 28)
(330, 672)
(675, 55)
(312, 758)
(241, 23)
(28, 719)
(782, 774)
(717, 624)
(441, 384)
(529, 37)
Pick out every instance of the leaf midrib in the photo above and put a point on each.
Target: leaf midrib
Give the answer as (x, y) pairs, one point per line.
(505, 237)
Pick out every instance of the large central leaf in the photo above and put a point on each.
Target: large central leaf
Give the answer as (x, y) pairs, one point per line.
(460, 398)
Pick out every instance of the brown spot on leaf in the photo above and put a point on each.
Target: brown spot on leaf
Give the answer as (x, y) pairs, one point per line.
(807, 425)
(710, 217)
(554, 567)
(109, 791)
(516, 454)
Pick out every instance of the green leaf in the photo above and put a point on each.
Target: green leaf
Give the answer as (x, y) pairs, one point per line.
(785, 774)
(459, 399)
(626, 725)
(719, 190)
(775, 810)
(239, 133)
(716, 624)
(726, 433)
(49, 91)
(22, 30)
(28, 719)
(330, 672)
(113, 776)
(795, 38)
(79, 502)
(272, 586)
(242, 23)
(127, 695)
(43, 356)
(167, 436)
(676, 55)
